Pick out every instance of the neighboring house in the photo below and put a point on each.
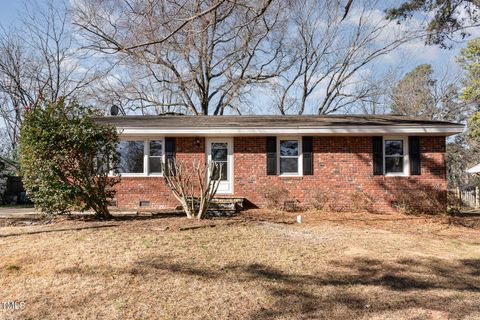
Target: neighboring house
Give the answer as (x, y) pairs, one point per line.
(7, 167)
(475, 169)
(381, 156)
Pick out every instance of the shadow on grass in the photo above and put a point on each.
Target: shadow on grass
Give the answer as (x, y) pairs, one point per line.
(346, 289)
(57, 230)
(474, 213)
(349, 289)
(128, 217)
(40, 219)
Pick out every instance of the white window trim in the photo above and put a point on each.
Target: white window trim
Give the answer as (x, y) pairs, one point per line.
(406, 161)
(300, 157)
(146, 155)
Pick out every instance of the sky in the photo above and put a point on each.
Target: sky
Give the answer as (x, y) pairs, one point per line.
(404, 58)
(415, 52)
(8, 10)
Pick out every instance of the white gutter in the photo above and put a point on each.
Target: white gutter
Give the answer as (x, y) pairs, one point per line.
(443, 130)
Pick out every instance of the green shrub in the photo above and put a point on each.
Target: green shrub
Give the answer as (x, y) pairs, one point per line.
(66, 158)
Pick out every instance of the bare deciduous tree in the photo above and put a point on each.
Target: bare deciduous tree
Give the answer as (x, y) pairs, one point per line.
(372, 94)
(135, 90)
(462, 153)
(419, 93)
(205, 57)
(194, 184)
(330, 52)
(38, 60)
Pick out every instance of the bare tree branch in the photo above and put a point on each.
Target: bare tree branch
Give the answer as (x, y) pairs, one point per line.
(204, 57)
(331, 51)
(38, 60)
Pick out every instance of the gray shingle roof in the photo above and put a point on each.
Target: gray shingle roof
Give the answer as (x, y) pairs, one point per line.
(270, 121)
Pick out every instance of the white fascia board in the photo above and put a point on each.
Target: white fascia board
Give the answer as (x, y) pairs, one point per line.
(262, 131)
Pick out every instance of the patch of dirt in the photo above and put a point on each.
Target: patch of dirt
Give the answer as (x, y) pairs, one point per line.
(465, 228)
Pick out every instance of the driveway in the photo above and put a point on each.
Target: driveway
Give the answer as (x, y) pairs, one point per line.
(10, 212)
(28, 213)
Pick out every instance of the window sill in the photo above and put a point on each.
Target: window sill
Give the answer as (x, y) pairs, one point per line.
(227, 193)
(290, 176)
(140, 176)
(396, 175)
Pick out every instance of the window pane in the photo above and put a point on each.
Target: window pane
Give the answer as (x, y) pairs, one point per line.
(288, 165)
(394, 164)
(289, 148)
(219, 151)
(156, 148)
(131, 156)
(223, 169)
(393, 147)
(155, 164)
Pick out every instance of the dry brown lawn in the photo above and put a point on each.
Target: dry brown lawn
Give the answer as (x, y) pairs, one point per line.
(257, 266)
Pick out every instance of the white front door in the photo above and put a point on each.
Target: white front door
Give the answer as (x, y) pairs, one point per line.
(221, 151)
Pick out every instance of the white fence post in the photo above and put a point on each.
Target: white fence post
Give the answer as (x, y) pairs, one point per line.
(459, 196)
(477, 197)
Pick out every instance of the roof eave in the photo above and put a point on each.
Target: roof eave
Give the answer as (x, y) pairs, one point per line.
(443, 130)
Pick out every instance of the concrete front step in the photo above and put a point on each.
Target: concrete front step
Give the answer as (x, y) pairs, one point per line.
(225, 206)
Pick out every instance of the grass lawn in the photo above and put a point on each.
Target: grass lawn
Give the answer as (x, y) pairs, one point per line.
(256, 266)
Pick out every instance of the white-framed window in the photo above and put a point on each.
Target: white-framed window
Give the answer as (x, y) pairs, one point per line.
(155, 156)
(289, 162)
(141, 156)
(395, 156)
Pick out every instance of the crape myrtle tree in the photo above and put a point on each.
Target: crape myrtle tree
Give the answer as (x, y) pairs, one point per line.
(193, 183)
(66, 158)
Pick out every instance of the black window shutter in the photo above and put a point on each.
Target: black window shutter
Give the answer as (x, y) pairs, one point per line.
(377, 156)
(169, 153)
(271, 156)
(307, 151)
(414, 155)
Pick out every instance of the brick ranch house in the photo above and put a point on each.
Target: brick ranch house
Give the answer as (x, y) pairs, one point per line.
(382, 156)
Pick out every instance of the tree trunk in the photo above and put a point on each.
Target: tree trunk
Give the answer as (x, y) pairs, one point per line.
(102, 212)
(187, 210)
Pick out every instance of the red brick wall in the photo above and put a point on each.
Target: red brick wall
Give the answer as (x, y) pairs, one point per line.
(341, 165)
(132, 190)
